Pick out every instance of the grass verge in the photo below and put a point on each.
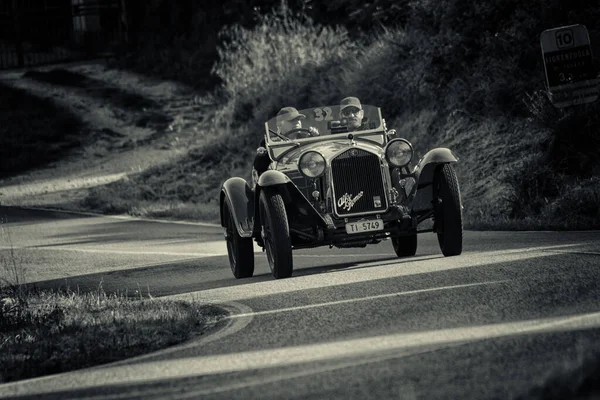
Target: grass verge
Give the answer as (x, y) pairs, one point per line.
(51, 332)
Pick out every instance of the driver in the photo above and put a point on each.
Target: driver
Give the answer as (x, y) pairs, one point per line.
(352, 114)
(288, 119)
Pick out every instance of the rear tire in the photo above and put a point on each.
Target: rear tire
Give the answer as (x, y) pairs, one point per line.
(275, 232)
(448, 214)
(405, 246)
(239, 249)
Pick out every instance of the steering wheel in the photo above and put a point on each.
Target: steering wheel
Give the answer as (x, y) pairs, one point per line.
(299, 133)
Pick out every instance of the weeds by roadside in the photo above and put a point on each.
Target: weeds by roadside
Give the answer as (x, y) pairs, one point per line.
(56, 332)
(47, 332)
(13, 295)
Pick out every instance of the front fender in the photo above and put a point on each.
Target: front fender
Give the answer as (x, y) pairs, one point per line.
(424, 170)
(269, 178)
(240, 198)
(272, 177)
(423, 174)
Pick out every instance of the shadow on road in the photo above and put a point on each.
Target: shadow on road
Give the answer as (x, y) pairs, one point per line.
(117, 96)
(24, 216)
(35, 132)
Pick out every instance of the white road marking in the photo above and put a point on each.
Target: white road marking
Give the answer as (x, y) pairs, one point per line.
(376, 270)
(352, 351)
(356, 300)
(232, 326)
(220, 249)
(110, 251)
(587, 253)
(117, 217)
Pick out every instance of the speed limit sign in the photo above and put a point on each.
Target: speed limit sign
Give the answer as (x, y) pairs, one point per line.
(571, 77)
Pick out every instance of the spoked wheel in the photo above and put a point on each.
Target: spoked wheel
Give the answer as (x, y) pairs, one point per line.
(275, 233)
(405, 246)
(448, 210)
(239, 249)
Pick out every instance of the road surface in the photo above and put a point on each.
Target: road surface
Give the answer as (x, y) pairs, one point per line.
(515, 312)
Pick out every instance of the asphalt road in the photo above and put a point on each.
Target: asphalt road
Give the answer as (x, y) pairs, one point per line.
(516, 311)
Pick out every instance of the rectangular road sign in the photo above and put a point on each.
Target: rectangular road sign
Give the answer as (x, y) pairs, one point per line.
(570, 73)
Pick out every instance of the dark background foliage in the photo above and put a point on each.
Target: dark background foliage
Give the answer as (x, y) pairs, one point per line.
(452, 73)
(446, 73)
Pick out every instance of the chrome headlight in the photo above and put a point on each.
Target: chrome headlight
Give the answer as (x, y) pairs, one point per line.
(311, 164)
(399, 152)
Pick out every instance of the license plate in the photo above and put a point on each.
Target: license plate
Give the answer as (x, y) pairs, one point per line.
(367, 225)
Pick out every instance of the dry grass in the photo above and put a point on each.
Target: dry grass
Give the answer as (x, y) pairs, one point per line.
(50, 332)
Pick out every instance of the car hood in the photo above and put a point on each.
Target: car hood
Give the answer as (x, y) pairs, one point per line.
(329, 149)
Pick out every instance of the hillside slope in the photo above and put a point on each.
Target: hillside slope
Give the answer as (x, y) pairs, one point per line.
(115, 125)
(441, 79)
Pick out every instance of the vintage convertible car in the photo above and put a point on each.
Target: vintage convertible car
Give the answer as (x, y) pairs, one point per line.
(340, 188)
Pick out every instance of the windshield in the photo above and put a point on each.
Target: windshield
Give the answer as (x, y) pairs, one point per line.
(326, 120)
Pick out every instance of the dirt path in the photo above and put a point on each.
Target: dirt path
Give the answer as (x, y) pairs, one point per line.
(137, 122)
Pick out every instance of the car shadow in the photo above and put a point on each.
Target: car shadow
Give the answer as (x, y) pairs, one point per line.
(366, 263)
(187, 276)
(163, 279)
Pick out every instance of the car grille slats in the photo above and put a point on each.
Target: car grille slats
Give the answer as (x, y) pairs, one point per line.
(358, 183)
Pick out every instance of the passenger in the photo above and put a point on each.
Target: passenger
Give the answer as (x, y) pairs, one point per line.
(352, 114)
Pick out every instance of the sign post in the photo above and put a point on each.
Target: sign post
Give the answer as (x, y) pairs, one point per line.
(571, 77)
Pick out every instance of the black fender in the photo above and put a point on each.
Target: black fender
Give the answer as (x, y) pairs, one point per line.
(423, 175)
(240, 198)
(272, 177)
(290, 194)
(424, 170)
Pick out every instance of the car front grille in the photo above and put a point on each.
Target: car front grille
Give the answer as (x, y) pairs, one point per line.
(357, 183)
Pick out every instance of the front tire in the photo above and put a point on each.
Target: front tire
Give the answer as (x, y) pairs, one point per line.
(448, 213)
(239, 249)
(405, 246)
(275, 233)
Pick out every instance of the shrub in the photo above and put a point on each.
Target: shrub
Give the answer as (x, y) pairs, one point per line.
(282, 61)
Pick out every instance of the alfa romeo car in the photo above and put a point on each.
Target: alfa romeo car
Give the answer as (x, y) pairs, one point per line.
(340, 188)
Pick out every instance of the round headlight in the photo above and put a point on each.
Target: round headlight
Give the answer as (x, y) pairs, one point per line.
(399, 152)
(311, 164)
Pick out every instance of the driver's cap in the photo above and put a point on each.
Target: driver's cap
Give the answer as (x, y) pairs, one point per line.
(350, 102)
(289, 114)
